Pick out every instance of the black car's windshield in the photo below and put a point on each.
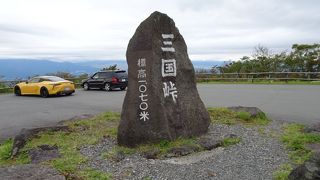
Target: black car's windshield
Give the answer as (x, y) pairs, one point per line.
(55, 79)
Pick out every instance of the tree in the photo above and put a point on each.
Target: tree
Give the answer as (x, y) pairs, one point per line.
(83, 76)
(111, 67)
(65, 75)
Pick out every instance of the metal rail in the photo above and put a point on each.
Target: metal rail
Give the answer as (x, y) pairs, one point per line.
(206, 77)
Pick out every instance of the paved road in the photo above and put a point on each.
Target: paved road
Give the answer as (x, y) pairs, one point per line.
(294, 103)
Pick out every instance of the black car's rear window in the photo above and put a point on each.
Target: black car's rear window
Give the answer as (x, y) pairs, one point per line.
(121, 73)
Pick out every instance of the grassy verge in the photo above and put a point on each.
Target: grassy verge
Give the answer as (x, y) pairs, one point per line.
(228, 117)
(5, 91)
(263, 82)
(283, 172)
(230, 141)
(83, 132)
(296, 141)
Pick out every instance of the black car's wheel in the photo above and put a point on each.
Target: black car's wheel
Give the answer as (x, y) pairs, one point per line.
(107, 87)
(122, 88)
(44, 93)
(86, 86)
(17, 91)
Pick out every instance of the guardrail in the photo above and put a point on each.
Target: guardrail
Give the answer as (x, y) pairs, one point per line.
(260, 76)
(207, 77)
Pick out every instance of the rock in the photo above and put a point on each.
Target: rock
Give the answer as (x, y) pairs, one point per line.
(231, 136)
(209, 144)
(30, 172)
(181, 151)
(308, 171)
(76, 118)
(315, 147)
(314, 128)
(253, 111)
(25, 134)
(162, 101)
(44, 153)
(151, 154)
(119, 156)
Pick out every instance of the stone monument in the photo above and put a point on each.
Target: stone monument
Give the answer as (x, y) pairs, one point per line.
(162, 101)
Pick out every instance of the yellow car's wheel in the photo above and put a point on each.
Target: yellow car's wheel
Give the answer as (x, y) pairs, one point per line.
(17, 91)
(44, 92)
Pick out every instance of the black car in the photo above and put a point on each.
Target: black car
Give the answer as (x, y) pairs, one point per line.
(106, 80)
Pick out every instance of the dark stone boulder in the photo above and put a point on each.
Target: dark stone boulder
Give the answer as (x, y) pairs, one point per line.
(253, 111)
(44, 153)
(162, 101)
(30, 172)
(308, 171)
(26, 134)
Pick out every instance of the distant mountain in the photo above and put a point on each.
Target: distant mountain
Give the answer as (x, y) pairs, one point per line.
(24, 68)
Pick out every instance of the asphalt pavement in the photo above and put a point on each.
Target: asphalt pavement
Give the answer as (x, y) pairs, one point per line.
(292, 103)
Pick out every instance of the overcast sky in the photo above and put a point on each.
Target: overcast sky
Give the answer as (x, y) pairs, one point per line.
(100, 29)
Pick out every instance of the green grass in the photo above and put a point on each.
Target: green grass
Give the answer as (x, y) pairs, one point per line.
(94, 174)
(5, 151)
(296, 140)
(230, 141)
(82, 132)
(244, 116)
(283, 172)
(226, 116)
(5, 155)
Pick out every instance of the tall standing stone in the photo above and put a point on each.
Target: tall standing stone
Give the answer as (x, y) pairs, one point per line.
(162, 101)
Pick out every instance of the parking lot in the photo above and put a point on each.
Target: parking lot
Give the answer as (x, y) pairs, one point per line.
(293, 103)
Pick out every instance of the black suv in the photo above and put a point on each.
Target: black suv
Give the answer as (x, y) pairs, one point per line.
(107, 80)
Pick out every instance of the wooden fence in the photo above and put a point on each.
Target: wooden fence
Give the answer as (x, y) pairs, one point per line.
(260, 76)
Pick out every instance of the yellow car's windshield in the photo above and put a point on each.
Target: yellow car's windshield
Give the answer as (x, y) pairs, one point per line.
(55, 79)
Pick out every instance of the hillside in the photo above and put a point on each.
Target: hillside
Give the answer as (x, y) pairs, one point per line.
(24, 68)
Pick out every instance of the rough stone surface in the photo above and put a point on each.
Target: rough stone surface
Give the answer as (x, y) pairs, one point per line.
(314, 128)
(178, 112)
(76, 118)
(30, 172)
(253, 111)
(25, 134)
(209, 144)
(151, 154)
(181, 151)
(43, 153)
(308, 171)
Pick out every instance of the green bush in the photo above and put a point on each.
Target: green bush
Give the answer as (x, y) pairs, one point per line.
(244, 116)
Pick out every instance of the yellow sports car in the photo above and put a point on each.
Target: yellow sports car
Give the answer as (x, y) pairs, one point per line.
(45, 86)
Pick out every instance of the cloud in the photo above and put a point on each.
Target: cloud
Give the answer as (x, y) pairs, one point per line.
(98, 29)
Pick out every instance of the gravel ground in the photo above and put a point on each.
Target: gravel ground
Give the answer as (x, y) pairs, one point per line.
(256, 157)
